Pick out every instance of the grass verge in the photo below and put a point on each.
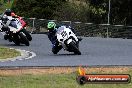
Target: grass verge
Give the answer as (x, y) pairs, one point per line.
(56, 77)
(8, 53)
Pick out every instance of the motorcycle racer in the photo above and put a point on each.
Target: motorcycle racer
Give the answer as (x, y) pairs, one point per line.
(52, 37)
(6, 14)
(9, 12)
(52, 27)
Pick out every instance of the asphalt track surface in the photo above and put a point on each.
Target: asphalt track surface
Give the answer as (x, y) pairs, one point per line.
(95, 51)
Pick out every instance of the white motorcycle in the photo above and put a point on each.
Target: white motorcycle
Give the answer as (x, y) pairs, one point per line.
(68, 40)
(15, 31)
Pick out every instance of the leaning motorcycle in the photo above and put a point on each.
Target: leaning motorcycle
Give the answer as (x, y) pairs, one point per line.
(68, 40)
(16, 32)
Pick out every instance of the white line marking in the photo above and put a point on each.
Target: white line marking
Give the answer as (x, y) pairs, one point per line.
(33, 55)
(24, 55)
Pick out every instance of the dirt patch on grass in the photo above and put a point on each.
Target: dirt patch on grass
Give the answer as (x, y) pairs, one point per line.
(37, 71)
(62, 70)
(108, 70)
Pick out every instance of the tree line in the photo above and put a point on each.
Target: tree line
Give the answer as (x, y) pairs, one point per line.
(94, 11)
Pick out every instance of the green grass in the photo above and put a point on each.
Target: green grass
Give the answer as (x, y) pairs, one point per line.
(8, 53)
(51, 81)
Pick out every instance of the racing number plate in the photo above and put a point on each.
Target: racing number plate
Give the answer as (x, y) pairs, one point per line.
(18, 22)
(63, 33)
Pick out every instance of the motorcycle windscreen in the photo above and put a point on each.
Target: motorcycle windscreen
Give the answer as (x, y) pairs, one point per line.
(16, 24)
(62, 32)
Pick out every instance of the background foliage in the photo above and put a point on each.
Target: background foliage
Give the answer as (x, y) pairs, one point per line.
(94, 11)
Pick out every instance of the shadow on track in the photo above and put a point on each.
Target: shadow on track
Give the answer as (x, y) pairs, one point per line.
(65, 54)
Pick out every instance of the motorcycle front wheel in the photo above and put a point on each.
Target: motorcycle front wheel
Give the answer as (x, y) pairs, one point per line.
(29, 37)
(74, 48)
(24, 39)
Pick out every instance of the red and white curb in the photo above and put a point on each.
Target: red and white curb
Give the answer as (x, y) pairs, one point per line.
(24, 55)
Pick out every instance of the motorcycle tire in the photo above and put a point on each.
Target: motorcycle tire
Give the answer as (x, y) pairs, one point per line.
(17, 43)
(29, 37)
(24, 39)
(16, 40)
(74, 47)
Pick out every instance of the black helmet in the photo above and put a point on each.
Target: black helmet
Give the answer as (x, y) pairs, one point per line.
(4, 19)
(8, 12)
